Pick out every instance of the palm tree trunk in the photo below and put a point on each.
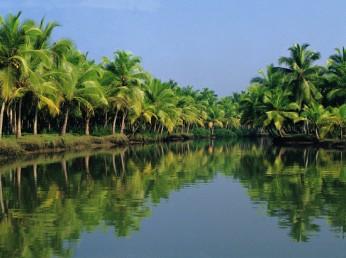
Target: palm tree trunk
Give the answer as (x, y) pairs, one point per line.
(63, 129)
(106, 120)
(317, 135)
(14, 121)
(123, 123)
(155, 125)
(19, 120)
(19, 176)
(2, 117)
(87, 166)
(87, 125)
(114, 122)
(35, 121)
(341, 133)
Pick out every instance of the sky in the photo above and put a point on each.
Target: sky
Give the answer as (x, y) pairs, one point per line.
(220, 44)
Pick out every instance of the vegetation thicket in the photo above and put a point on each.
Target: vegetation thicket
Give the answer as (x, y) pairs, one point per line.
(51, 87)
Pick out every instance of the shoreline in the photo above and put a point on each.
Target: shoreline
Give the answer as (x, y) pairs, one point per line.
(12, 148)
(307, 141)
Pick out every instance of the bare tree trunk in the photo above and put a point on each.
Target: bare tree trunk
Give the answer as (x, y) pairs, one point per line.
(87, 126)
(155, 123)
(14, 121)
(35, 121)
(19, 120)
(317, 134)
(87, 162)
(123, 123)
(64, 126)
(115, 122)
(2, 117)
(106, 120)
(19, 176)
(341, 133)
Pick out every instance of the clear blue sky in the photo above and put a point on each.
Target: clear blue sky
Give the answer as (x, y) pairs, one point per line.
(220, 44)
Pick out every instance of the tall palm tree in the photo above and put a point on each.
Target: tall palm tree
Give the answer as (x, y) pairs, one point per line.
(79, 87)
(43, 89)
(302, 73)
(162, 97)
(124, 79)
(16, 52)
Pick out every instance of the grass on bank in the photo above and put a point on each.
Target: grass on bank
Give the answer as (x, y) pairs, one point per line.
(35, 143)
(28, 143)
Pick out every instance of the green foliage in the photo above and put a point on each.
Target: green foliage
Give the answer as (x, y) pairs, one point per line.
(53, 87)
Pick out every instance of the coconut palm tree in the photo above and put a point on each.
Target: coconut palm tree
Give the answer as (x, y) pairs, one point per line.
(162, 97)
(302, 73)
(279, 109)
(271, 77)
(17, 50)
(337, 76)
(320, 120)
(252, 106)
(124, 79)
(79, 87)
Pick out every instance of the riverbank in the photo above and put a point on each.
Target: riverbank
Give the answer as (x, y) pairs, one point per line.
(309, 141)
(10, 147)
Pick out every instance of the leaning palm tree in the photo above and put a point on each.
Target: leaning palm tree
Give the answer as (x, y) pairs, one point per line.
(16, 53)
(43, 90)
(78, 86)
(302, 73)
(123, 79)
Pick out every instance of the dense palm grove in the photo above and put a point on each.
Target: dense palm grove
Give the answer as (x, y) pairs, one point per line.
(298, 97)
(52, 87)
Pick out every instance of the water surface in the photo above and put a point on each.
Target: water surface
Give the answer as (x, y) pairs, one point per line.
(193, 199)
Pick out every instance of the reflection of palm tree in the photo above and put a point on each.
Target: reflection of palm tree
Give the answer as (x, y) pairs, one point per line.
(64, 170)
(34, 170)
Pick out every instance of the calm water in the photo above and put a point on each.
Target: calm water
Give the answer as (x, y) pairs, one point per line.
(202, 199)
